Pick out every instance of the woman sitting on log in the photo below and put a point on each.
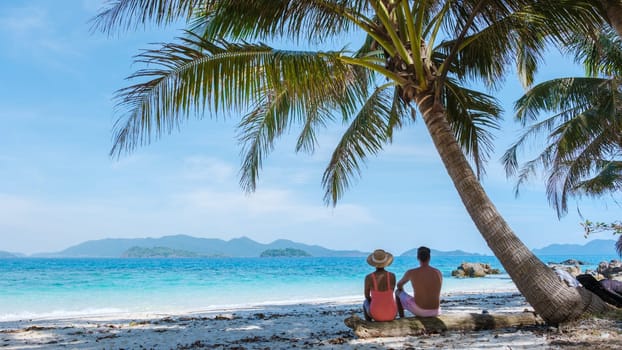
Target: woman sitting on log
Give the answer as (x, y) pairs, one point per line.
(379, 302)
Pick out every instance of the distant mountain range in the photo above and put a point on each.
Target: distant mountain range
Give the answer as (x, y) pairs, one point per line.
(187, 246)
(7, 255)
(594, 247)
(238, 247)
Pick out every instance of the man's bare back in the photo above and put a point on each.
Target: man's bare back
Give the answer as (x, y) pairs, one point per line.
(426, 283)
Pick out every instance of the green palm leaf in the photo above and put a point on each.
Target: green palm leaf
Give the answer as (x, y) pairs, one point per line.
(365, 136)
(313, 20)
(510, 32)
(129, 14)
(278, 110)
(583, 136)
(198, 76)
(600, 53)
(487, 53)
(607, 179)
(473, 116)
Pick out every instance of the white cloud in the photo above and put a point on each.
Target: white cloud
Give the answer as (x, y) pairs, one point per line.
(209, 169)
(422, 152)
(29, 30)
(303, 178)
(22, 22)
(270, 203)
(129, 160)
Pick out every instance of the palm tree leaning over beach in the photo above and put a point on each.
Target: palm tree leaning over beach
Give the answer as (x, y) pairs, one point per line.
(416, 60)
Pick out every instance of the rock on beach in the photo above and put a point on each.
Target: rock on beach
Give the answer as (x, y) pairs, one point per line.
(469, 269)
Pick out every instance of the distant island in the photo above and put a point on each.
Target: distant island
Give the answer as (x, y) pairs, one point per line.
(187, 246)
(159, 252)
(281, 253)
(594, 247)
(7, 255)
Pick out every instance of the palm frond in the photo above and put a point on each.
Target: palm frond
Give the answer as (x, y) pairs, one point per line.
(257, 131)
(600, 52)
(576, 144)
(498, 33)
(347, 95)
(486, 53)
(197, 75)
(130, 14)
(365, 136)
(473, 116)
(583, 135)
(564, 94)
(313, 20)
(608, 178)
(565, 19)
(397, 117)
(277, 111)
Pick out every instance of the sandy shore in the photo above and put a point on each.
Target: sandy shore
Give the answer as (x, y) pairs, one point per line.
(301, 326)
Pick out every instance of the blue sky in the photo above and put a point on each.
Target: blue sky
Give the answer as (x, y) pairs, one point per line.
(59, 187)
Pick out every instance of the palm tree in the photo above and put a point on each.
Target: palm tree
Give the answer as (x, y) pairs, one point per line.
(583, 153)
(418, 57)
(612, 11)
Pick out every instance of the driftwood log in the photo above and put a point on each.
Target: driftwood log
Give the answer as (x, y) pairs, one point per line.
(449, 322)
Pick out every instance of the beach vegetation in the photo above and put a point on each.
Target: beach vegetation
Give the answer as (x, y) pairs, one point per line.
(419, 63)
(593, 227)
(615, 227)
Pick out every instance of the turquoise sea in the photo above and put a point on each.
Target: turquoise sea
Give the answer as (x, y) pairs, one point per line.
(41, 288)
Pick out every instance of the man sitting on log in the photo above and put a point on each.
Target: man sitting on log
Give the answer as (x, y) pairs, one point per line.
(426, 283)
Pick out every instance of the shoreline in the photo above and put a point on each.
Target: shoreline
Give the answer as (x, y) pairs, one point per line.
(114, 313)
(304, 326)
(300, 326)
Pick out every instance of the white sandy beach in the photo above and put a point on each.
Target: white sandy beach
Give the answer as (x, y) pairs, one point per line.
(300, 326)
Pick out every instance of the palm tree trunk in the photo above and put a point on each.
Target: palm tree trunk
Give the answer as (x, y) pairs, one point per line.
(551, 299)
(613, 11)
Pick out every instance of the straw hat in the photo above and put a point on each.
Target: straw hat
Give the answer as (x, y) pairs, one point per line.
(380, 258)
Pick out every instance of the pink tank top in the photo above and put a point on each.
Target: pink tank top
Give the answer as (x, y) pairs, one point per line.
(383, 306)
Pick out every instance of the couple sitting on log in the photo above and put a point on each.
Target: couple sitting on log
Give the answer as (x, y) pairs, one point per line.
(381, 304)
